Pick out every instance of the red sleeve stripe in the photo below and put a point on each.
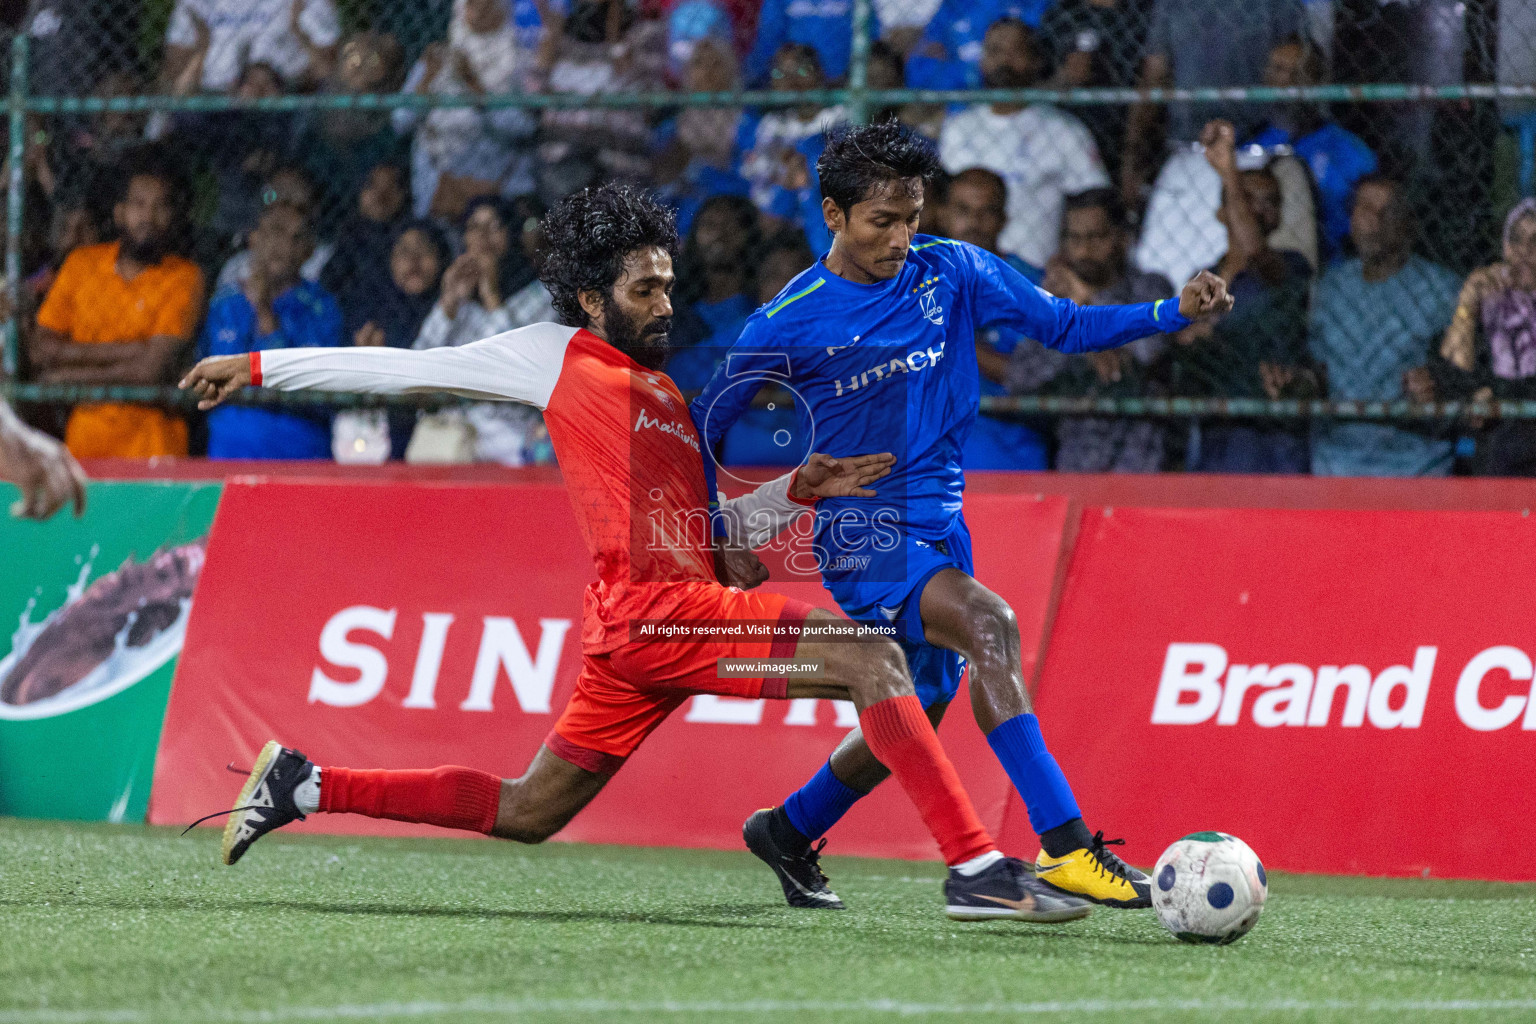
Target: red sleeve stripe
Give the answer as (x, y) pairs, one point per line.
(790, 492)
(256, 369)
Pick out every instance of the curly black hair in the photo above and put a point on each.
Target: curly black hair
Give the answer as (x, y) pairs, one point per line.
(590, 234)
(860, 158)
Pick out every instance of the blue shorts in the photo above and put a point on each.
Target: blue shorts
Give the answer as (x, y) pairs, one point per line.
(878, 575)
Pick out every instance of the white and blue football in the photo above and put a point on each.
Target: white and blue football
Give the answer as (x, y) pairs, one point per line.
(1209, 887)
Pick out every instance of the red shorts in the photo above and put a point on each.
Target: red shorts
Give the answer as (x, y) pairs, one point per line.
(623, 695)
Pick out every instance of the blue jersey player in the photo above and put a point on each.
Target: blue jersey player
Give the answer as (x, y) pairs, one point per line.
(876, 340)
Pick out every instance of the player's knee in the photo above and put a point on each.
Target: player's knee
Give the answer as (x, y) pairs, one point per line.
(990, 627)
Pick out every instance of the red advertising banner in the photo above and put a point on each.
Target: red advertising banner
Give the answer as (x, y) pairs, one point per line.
(1348, 691)
(409, 625)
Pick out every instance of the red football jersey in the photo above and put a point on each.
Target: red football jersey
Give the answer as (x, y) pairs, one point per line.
(625, 441)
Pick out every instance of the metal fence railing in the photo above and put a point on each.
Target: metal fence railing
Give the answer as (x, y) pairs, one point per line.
(1048, 99)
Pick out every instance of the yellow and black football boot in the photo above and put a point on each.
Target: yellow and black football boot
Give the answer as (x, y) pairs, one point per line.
(1093, 873)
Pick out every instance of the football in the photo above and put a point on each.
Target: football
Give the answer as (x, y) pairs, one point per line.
(1209, 887)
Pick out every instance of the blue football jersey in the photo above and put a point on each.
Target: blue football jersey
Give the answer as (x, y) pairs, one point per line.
(891, 367)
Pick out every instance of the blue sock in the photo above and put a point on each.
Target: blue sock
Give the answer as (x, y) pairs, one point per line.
(817, 805)
(1034, 772)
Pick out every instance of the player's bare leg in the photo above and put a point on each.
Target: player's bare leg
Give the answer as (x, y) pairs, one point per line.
(982, 883)
(285, 786)
(961, 615)
(545, 799)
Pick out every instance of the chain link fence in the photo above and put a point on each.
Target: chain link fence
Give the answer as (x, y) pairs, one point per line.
(1354, 168)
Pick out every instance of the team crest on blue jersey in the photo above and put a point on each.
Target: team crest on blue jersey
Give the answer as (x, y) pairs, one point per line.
(927, 300)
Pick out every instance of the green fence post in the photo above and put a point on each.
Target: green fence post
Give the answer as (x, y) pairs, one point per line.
(13, 200)
(858, 64)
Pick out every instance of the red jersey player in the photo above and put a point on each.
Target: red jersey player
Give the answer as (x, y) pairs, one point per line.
(632, 462)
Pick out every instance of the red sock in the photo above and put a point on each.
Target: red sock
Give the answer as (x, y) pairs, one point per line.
(449, 796)
(901, 737)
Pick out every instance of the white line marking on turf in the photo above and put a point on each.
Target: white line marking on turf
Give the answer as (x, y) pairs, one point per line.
(514, 1007)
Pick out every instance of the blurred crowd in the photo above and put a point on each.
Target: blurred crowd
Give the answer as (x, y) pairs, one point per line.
(1376, 251)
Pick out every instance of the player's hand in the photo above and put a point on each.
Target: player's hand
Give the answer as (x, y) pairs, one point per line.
(738, 566)
(216, 378)
(822, 476)
(1205, 295)
(47, 474)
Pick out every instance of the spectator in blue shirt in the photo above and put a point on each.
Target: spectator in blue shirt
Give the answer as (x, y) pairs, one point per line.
(949, 54)
(1337, 157)
(275, 308)
(1375, 320)
(825, 25)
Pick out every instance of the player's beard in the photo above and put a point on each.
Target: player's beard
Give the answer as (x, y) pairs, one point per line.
(643, 341)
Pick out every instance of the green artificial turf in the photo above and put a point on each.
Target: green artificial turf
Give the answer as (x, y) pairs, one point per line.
(128, 925)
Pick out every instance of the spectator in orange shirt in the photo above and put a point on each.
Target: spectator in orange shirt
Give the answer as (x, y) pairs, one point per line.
(121, 313)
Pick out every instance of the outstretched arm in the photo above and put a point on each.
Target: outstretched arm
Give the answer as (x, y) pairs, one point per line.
(1003, 297)
(518, 366)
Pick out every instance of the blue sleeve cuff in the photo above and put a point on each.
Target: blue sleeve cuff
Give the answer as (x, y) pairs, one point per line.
(1166, 315)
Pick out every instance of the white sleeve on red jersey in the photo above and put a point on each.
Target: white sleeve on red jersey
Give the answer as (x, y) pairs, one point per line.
(758, 516)
(516, 366)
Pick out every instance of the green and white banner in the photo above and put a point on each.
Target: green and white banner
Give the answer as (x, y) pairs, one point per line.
(92, 616)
